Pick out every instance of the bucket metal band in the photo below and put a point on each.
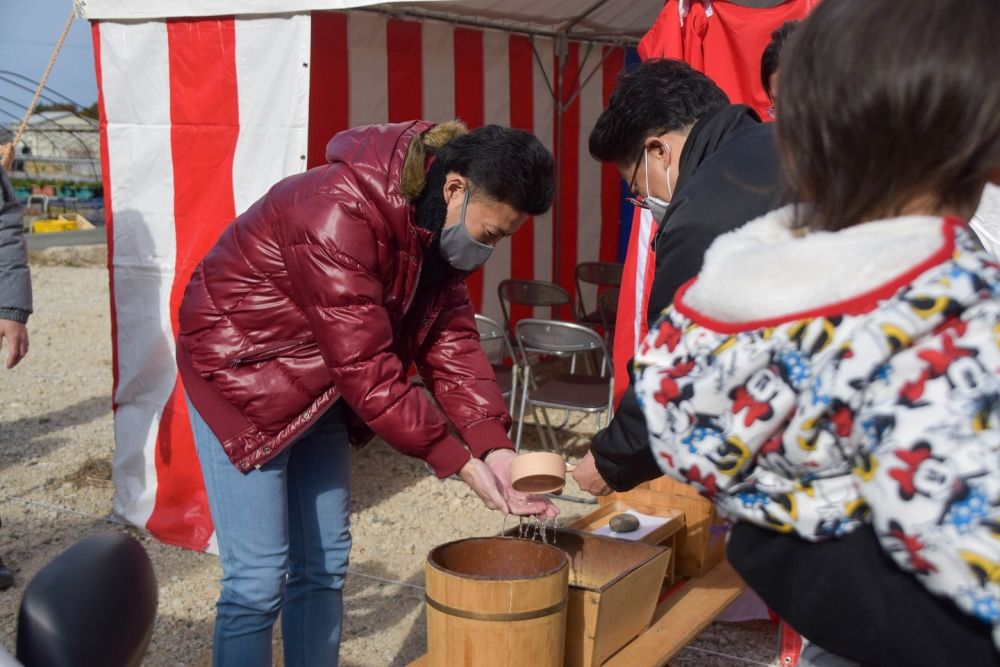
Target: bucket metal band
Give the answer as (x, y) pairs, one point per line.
(510, 616)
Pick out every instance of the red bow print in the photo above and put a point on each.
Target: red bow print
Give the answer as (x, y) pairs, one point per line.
(693, 476)
(755, 409)
(668, 335)
(913, 459)
(913, 547)
(938, 361)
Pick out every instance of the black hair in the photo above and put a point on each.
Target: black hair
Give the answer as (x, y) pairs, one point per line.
(771, 58)
(887, 103)
(653, 98)
(504, 164)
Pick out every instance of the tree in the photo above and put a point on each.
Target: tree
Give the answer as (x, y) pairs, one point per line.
(58, 106)
(86, 112)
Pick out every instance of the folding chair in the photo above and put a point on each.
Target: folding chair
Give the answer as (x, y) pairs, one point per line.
(533, 293)
(507, 376)
(600, 274)
(562, 391)
(607, 308)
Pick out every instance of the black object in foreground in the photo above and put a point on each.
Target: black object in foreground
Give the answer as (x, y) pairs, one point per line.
(94, 604)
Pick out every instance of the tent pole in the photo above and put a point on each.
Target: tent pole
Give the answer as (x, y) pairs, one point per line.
(541, 67)
(562, 57)
(562, 54)
(396, 12)
(590, 76)
(615, 37)
(566, 27)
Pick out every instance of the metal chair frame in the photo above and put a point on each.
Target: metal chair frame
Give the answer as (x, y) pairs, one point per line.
(557, 296)
(491, 330)
(600, 274)
(607, 306)
(534, 294)
(587, 340)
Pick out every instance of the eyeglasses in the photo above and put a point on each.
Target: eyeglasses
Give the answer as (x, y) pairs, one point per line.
(636, 200)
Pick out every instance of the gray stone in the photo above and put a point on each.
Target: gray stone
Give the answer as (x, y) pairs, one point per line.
(624, 523)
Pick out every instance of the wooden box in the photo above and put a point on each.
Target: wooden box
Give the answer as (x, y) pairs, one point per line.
(702, 545)
(668, 534)
(613, 590)
(679, 618)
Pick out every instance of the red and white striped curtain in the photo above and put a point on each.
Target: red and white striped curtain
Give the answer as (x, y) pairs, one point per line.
(201, 117)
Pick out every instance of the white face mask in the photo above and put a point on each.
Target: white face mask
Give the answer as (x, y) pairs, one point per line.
(656, 206)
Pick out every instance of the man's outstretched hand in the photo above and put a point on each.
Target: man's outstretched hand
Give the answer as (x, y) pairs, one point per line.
(520, 504)
(588, 477)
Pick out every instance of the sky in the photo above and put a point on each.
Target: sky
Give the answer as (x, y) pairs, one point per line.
(29, 30)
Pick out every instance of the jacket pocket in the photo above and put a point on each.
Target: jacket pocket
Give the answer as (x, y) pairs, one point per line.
(267, 352)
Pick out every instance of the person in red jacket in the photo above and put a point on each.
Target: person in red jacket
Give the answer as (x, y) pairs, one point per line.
(296, 334)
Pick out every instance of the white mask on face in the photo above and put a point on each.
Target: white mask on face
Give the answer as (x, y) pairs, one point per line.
(656, 206)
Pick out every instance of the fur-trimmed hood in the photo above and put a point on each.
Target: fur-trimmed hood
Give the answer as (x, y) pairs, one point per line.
(767, 270)
(812, 384)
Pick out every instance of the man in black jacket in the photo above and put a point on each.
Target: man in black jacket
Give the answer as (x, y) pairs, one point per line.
(703, 167)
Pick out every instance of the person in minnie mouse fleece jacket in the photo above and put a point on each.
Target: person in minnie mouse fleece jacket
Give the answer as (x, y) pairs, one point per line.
(836, 364)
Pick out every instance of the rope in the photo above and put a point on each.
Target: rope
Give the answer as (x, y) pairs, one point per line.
(57, 508)
(7, 150)
(725, 655)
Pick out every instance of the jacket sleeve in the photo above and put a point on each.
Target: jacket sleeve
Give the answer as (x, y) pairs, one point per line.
(621, 451)
(332, 262)
(847, 596)
(931, 462)
(459, 375)
(680, 251)
(15, 279)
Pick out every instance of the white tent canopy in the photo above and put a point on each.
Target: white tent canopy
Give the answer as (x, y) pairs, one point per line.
(597, 19)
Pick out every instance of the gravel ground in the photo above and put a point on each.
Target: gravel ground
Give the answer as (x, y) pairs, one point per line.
(56, 442)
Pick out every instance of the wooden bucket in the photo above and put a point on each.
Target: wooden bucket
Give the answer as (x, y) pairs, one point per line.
(496, 601)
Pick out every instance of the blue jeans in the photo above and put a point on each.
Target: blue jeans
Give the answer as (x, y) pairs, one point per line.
(284, 539)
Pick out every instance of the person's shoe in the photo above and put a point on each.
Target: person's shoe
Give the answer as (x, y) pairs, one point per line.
(6, 576)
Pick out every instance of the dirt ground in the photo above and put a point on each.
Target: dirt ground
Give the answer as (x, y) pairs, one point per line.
(56, 443)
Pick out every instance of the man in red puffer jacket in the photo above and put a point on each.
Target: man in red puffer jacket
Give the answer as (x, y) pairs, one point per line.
(298, 328)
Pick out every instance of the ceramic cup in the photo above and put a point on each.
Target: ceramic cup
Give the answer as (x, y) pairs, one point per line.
(539, 472)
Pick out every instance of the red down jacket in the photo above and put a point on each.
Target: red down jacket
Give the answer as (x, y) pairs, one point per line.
(301, 301)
